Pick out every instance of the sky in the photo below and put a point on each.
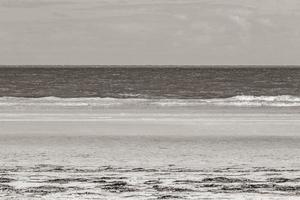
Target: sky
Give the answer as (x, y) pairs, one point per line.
(155, 32)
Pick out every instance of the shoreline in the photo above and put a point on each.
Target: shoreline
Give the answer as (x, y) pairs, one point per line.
(128, 66)
(200, 121)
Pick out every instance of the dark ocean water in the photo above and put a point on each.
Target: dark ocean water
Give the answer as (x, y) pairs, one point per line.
(149, 82)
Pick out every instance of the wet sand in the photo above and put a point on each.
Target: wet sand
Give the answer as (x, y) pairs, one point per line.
(181, 121)
(150, 153)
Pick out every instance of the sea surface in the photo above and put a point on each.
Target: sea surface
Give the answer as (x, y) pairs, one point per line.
(148, 82)
(92, 165)
(165, 86)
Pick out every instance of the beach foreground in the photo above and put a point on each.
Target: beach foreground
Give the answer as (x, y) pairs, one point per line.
(150, 153)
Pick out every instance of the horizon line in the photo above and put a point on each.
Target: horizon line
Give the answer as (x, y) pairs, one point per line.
(149, 65)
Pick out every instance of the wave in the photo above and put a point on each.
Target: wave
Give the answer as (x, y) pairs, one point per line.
(242, 101)
(274, 101)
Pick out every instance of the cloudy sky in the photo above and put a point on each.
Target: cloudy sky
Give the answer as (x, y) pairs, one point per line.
(149, 32)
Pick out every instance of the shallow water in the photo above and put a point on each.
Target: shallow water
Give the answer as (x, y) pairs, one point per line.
(149, 167)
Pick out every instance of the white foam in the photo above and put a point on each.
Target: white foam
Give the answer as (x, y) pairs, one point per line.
(244, 101)
(274, 101)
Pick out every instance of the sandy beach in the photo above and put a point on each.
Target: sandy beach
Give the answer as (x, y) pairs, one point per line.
(150, 153)
(195, 121)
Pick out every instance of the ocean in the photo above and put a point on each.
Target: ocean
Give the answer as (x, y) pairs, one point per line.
(149, 132)
(155, 85)
(148, 82)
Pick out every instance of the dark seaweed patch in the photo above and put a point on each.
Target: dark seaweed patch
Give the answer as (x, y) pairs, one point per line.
(83, 180)
(66, 180)
(152, 182)
(138, 169)
(264, 169)
(210, 185)
(87, 193)
(44, 190)
(283, 180)
(118, 187)
(169, 197)
(170, 189)
(238, 188)
(6, 180)
(257, 186)
(286, 188)
(225, 180)
(6, 188)
(187, 181)
(111, 178)
(48, 168)
(98, 181)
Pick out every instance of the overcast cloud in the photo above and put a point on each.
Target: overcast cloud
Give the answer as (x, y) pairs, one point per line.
(149, 32)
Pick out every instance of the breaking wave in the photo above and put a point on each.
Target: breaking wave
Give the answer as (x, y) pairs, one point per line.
(277, 101)
(242, 101)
